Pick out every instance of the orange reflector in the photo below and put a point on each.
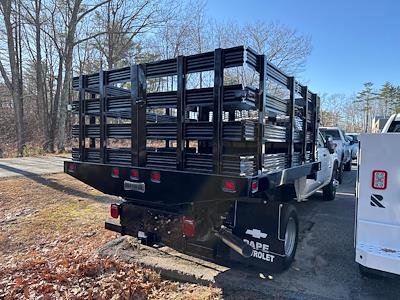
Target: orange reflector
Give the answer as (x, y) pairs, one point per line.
(229, 186)
(188, 227)
(114, 211)
(254, 186)
(155, 176)
(135, 174)
(379, 179)
(115, 172)
(71, 168)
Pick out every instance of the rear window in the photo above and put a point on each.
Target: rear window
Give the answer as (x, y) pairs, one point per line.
(394, 127)
(355, 138)
(334, 133)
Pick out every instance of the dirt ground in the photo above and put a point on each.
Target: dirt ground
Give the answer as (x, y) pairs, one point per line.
(50, 229)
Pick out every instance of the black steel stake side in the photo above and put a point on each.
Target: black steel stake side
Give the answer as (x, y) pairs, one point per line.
(217, 110)
(291, 112)
(138, 116)
(92, 121)
(180, 114)
(305, 124)
(262, 99)
(316, 125)
(82, 117)
(103, 118)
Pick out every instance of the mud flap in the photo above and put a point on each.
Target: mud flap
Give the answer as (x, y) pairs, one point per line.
(259, 225)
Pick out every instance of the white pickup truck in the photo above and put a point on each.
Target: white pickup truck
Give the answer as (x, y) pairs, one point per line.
(343, 148)
(377, 225)
(326, 178)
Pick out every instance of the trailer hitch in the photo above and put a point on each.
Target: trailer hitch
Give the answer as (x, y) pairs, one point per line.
(234, 242)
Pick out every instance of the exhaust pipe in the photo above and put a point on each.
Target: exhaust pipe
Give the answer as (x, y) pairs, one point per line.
(234, 242)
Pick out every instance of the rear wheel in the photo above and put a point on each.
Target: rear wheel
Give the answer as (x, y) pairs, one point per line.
(340, 173)
(290, 225)
(329, 191)
(347, 166)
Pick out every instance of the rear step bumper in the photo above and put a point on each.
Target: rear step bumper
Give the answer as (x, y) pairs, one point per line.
(113, 226)
(378, 258)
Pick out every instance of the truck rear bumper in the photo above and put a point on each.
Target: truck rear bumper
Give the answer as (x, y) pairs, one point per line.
(378, 258)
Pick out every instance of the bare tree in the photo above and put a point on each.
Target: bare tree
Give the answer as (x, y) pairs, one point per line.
(12, 23)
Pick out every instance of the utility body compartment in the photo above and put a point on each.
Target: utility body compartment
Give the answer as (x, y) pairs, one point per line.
(377, 236)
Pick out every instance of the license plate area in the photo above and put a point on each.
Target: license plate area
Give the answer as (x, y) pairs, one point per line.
(134, 186)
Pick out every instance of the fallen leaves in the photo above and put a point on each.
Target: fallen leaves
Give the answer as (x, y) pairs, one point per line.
(49, 249)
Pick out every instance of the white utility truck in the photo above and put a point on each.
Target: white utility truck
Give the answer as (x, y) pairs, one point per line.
(377, 226)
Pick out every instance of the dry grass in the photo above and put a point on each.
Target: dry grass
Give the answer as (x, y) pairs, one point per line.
(50, 228)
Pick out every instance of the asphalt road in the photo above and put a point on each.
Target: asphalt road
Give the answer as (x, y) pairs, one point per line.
(28, 166)
(325, 265)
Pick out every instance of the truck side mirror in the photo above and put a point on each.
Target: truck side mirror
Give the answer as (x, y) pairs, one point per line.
(330, 145)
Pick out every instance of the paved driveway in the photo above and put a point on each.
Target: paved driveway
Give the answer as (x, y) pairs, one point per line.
(29, 166)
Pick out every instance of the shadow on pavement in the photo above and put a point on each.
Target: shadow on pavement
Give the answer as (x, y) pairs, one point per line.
(55, 185)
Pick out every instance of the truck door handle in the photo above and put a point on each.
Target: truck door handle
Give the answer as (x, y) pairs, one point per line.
(325, 154)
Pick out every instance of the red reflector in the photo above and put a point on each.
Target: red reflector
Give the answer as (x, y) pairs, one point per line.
(155, 176)
(71, 168)
(379, 179)
(135, 174)
(229, 186)
(254, 186)
(188, 227)
(114, 211)
(115, 172)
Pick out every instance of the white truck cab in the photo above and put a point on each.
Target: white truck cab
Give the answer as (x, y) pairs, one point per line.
(343, 148)
(326, 178)
(377, 224)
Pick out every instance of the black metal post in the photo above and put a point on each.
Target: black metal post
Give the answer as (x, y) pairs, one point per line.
(217, 110)
(138, 116)
(92, 121)
(305, 124)
(291, 111)
(180, 114)
(315, 100)
(103, 118)
(82, 117)
(262, 98)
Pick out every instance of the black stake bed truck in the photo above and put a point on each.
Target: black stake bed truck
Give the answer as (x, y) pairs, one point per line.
(205, 151)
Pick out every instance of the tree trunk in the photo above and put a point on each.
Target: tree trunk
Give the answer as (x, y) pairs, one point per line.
(43, 109)
(69, 50)
(15, 84)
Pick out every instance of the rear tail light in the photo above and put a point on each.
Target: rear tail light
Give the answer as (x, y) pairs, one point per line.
(71, 168)
(379, 179)
(135, 174)
(115, 172)
(155, 176)
(254, 186)
(229, 186)
(188, 226)
(114, 211)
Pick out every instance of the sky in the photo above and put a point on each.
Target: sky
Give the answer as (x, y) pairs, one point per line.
(353, 41)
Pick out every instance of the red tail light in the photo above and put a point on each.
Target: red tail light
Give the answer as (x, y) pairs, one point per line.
(156, 176)
(254, 186)
(114, 211)
(379, 179)
(229, 186)
(71, 168)
(188, 227)
(115, 172)
(135, 174)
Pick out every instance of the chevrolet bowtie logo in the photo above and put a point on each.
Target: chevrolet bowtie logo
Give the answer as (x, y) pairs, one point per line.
(256, 233)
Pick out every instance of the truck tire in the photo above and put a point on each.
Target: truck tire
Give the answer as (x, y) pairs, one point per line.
(290, 225)
(329, 191)
(340, 173)
(347, 166)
